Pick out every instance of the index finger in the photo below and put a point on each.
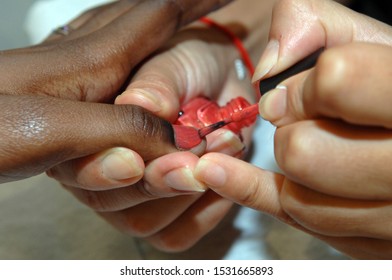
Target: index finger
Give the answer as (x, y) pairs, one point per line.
(350, 83)
(242, 183)
(152, 22)
(300, 27)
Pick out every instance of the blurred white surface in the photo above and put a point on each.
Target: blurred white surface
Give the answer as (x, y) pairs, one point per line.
(40, 220)
(44, 16)
(12, 17)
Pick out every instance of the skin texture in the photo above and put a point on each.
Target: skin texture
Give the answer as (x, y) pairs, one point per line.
(168, 207)
(48, 91)
(333, 131)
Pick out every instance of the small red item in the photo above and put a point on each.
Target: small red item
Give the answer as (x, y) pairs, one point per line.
(201, 112)
(186, 137)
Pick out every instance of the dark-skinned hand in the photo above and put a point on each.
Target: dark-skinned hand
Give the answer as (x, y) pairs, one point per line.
(53, 94)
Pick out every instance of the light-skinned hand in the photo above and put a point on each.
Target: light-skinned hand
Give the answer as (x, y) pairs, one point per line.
(333, 136)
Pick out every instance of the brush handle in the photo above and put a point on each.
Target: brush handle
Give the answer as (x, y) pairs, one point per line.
(304, 64)
(264, 86)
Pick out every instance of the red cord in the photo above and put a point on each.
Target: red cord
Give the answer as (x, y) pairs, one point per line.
(236, 41)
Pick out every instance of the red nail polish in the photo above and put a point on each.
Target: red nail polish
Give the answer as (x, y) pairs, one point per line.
(201, 112)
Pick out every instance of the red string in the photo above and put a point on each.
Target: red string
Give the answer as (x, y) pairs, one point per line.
(236, 41)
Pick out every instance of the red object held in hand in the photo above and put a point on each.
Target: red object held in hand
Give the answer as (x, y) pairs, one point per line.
(201, 112)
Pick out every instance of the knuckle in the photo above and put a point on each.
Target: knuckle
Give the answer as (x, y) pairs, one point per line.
(298, 148)
(141, 121)
(144, 127)
(175, 9)
(330, 77)
(146, 191)
(251, 194)
(298, 203)
(291, 7)
(289, 202)
(295, 204)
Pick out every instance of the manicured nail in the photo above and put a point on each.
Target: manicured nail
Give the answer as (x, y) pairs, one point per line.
(182, 179)
(227, 142)
(267, 61)
(273, 104)
(210, 173)
(121, 165)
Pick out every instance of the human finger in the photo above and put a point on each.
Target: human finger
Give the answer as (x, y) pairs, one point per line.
(150, 217)
(110, 169)
(45, 132)
(183, 222)
(325, 155)
(243, 183)
(361, 247)
(173, 13)
(199, 219)
(191, 68)
(336, 216)
(167, 176)
(121, 167)
(95, 67)
(300, 27)
(96, 18)
(343, 85)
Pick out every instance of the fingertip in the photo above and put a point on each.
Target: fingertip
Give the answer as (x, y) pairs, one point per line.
(268, 60)
(122, 165)
(273, 104)
(240, 182)
(110, 169)
(210, 172)
(172, 174)
(225, 141)
(142, 98)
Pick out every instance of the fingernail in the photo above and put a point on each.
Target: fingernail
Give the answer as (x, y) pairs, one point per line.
(210, 173)
(182, 179)
(143, 98)
(267, 61)
(227, 142)
(273, 104)
(121, 165)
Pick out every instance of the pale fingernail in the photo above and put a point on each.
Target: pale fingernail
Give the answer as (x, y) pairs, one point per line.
(227, 142)
(210, 173)
(182, 179)
(121, 165)
(273, 104)
(143, 98)
(267, 61)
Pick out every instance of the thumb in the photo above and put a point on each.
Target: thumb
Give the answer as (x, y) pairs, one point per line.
(40, 132)
(188, 69)
(298, 28)
(343, 85)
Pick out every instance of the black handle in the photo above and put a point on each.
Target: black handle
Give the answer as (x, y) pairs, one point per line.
(305, 64)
